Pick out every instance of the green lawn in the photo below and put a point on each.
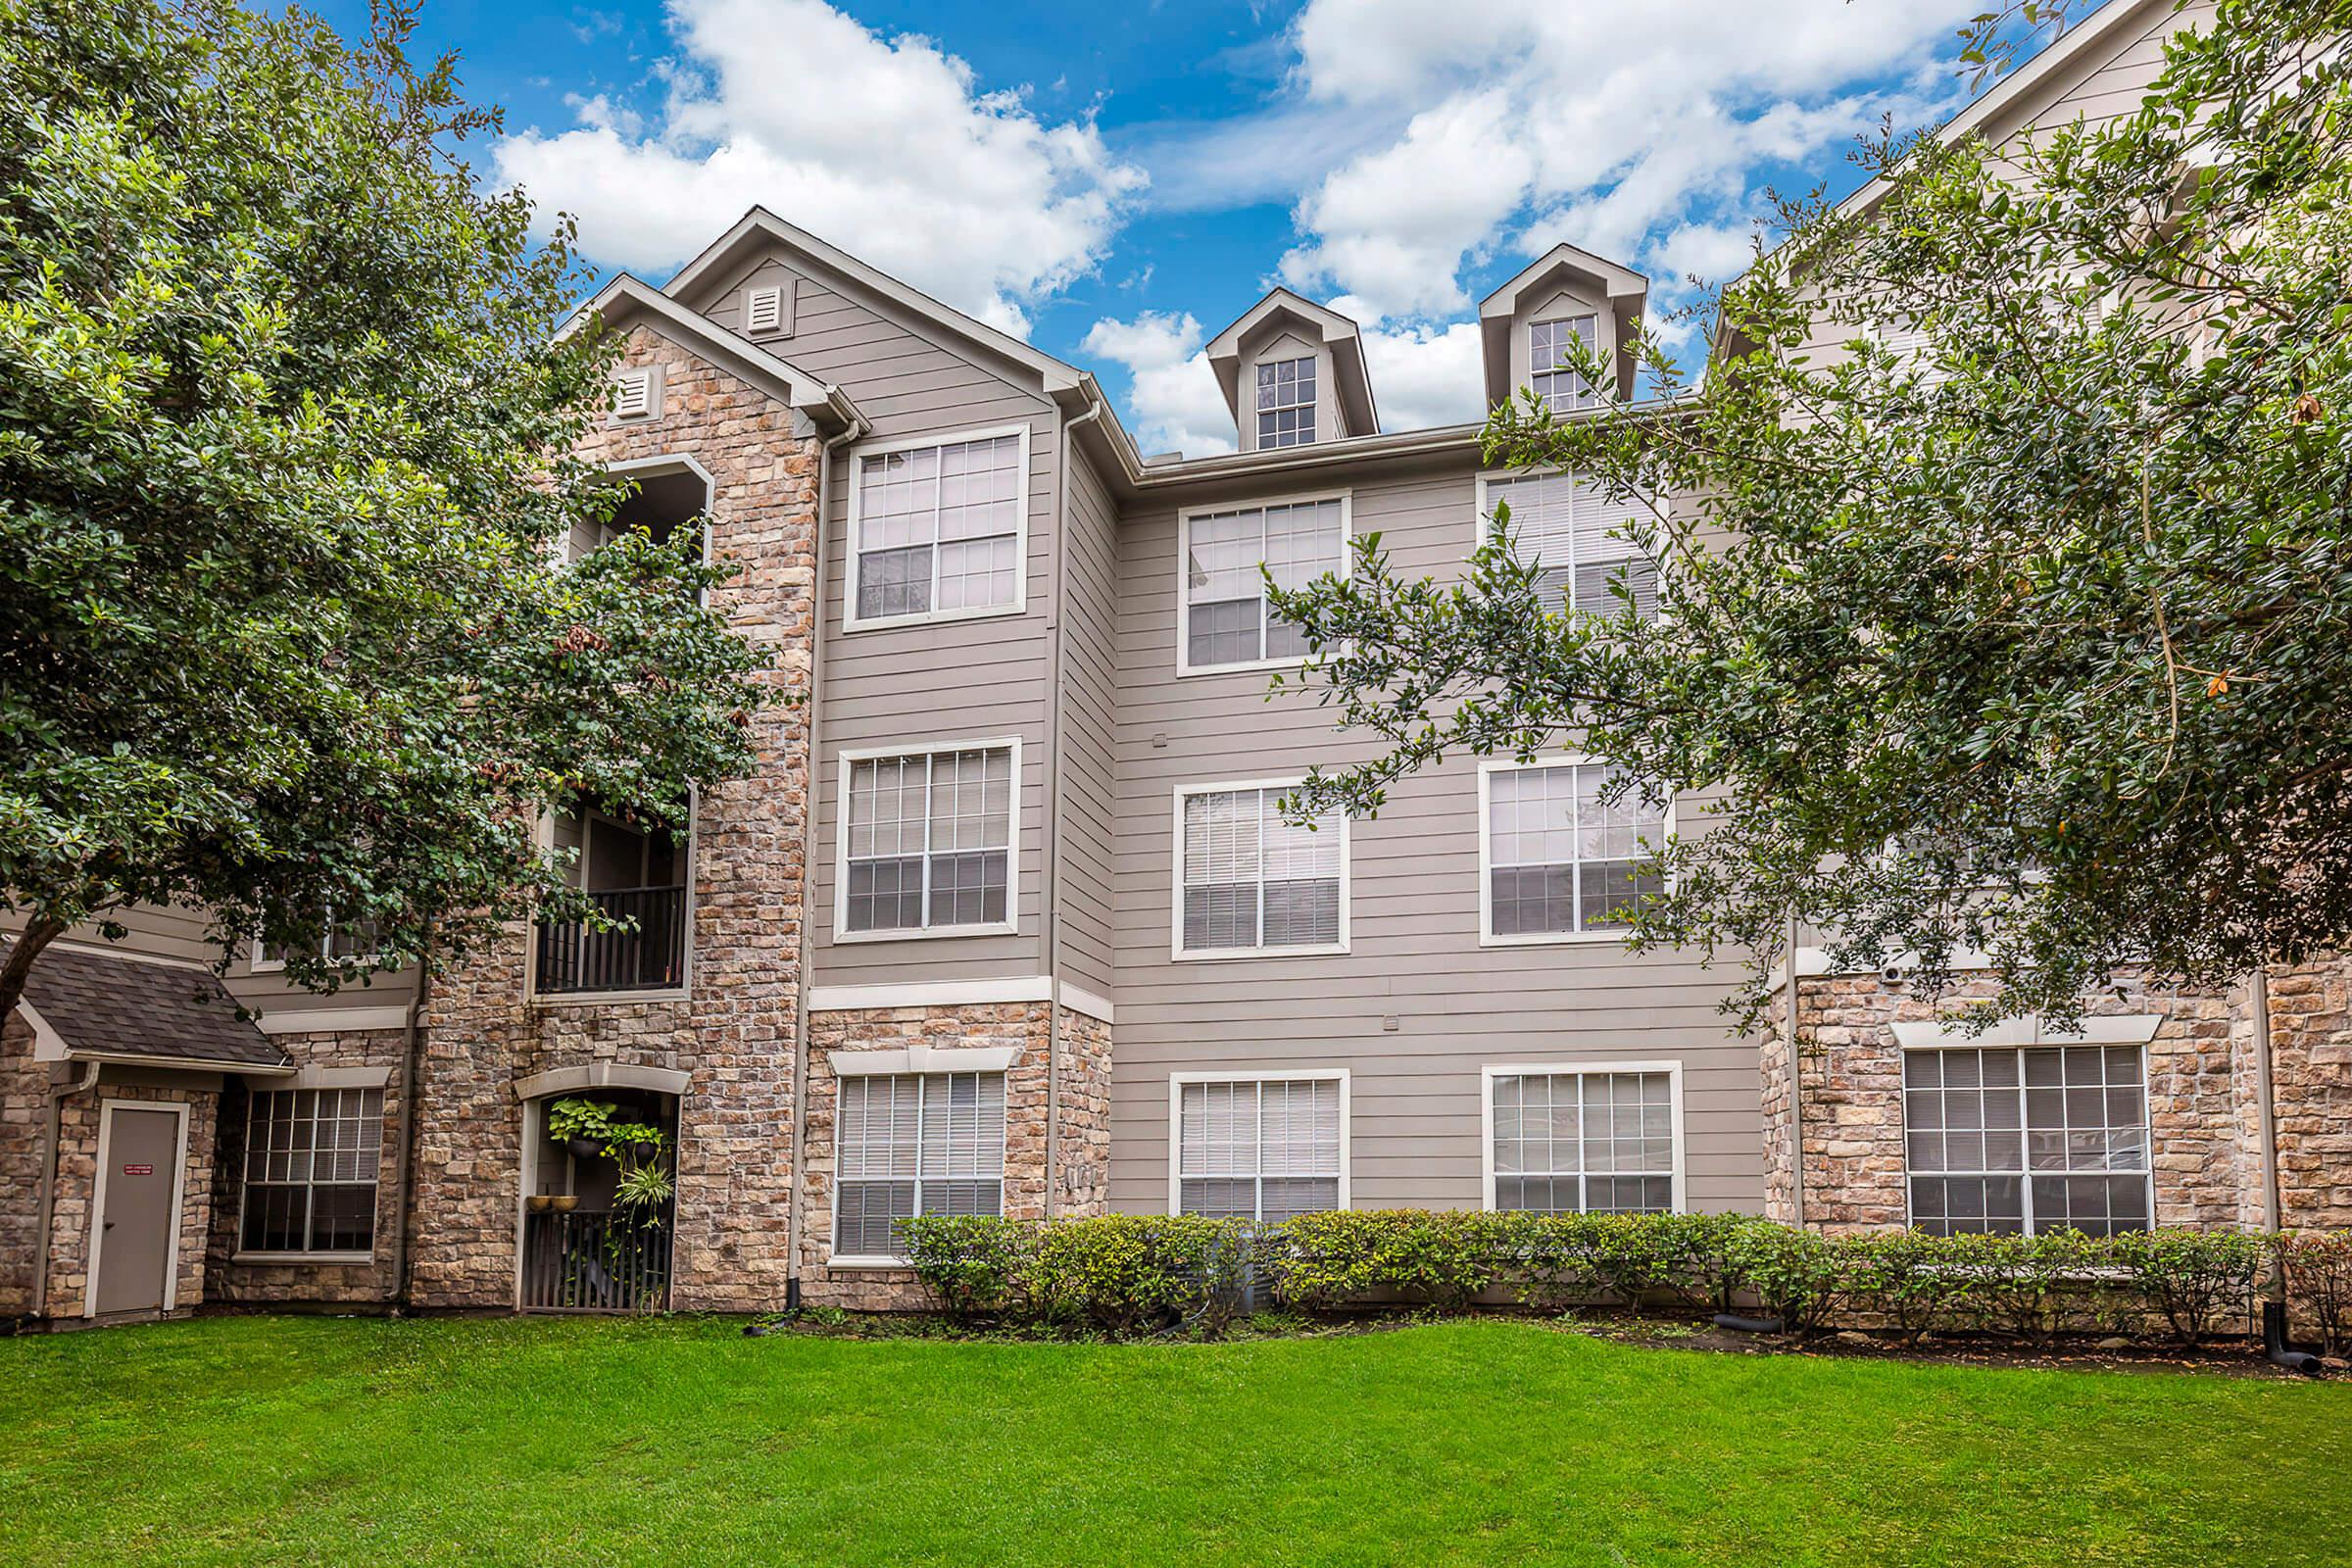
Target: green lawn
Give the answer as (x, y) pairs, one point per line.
(545, 1442)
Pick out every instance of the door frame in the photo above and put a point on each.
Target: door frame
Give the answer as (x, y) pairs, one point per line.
(179, 1195)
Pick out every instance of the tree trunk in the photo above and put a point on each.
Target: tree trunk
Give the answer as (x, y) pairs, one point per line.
(39, 933)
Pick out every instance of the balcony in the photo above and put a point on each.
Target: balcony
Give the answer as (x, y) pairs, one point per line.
(595, 1262)
(647, 953)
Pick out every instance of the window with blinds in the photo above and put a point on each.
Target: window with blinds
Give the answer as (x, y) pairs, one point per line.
(2020, 1140)
(1249, 881)
(1227, 621)
(1286, 403)
(937, 530)
(1574, 535)
(929, 841)
(1585, 1143)
(1563, 858)
(311, 1160)
(1262, 1150)
(1555, 382)
(916, 1144)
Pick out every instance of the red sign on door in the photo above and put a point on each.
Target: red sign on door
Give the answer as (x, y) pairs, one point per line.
(138, 1170)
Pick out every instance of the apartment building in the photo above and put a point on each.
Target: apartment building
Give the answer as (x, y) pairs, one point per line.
(1006, 920)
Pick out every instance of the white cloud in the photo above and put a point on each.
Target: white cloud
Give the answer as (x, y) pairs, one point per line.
(888, 147)
(1176, 404)
(1426, 375)
(1617, 126)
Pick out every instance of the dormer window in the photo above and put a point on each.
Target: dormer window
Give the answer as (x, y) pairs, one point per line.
(1286, 403)
(1557, 384)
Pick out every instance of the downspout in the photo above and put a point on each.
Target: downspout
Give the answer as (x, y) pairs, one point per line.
(812, 789)
(2258, 995)
(49, 1140)
(1796, 1102)
(1054, 807)
(411, 1076)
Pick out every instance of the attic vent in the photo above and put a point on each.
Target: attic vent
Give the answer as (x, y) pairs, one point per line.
(634, 394)
(764, 313)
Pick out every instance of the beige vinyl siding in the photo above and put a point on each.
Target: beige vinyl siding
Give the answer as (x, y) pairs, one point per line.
(980, 678)
(178, 933)
(1089, 733)
(1414, 955)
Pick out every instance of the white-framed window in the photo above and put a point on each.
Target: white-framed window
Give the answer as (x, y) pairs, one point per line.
(1575, 536)
(354, 943)
(1555, 381)
(636, 393)
(914, 1143)
(1557, 861)
(1286, 403)
(1604, 1137)
(2011, 1140)
(927, 839)
(1227, 623)
(939, 528)
(311, 1160)
(1248, 883)
(1258, 1146)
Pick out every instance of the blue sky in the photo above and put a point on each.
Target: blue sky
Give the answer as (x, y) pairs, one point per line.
(1119, 182)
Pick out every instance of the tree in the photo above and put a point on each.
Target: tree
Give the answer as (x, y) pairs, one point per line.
(285, 474)
(2033, 640)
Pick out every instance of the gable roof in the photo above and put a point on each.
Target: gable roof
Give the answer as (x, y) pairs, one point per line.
(88, 1005)
(1624, 289)
(1328, 328)
(626, 300)
(760, 227)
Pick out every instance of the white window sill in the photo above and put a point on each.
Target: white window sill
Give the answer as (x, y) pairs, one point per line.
(1224, 954)
(893, 1264)
(326, 1259)
(928, 617)
(602, 998)
(1551, 939)
(1255, 667)
(1002, 928)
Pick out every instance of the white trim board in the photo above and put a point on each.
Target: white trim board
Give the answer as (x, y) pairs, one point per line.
(955, 994)
(179, 1195)
(2102, 1029)
(921, 1059)
(332, 1020)
(1489, 1072)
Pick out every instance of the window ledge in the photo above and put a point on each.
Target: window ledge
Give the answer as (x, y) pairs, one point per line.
(1551, 939)
(897, 1265)
(1255, 667)
(851, 624)
(326, 1259)
(1223, 955)
(603, 999)
(1002, 928)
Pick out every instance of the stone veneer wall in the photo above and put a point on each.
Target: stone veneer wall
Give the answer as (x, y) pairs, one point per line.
(352, 1283)
(1083, 1141)
(24, 1108)
(1850, 1083)
(2311, 1092)
(77, 1180)
(733, 1033)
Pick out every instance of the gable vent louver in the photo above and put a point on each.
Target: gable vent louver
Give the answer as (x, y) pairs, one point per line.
(633, 396)
(764, 311)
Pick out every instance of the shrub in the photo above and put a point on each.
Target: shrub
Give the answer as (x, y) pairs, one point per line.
(2318, 1266)
(1906, 1278)
(1447, 1257)
(1795, 1275)
(2192, 1277)
(1121, 1273)
(977, 1264)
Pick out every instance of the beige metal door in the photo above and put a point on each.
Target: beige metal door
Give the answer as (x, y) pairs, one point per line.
(142, 1185)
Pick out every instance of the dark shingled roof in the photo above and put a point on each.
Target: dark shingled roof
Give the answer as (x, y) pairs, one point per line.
(124, 1006)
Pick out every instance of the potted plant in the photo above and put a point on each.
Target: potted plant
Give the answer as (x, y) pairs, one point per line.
(592, 1127)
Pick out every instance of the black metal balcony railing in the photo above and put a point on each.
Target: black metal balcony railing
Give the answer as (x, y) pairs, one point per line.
(652, 956)
(594, 1262)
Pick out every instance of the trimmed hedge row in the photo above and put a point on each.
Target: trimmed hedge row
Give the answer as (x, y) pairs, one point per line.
(1128, 1273)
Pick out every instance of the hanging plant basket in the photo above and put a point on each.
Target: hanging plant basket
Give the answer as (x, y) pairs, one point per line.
(584, 1148)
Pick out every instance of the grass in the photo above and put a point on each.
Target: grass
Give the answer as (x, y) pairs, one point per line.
(545, 1442)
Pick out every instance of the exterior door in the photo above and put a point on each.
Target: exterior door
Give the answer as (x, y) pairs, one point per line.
(141, 1183)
